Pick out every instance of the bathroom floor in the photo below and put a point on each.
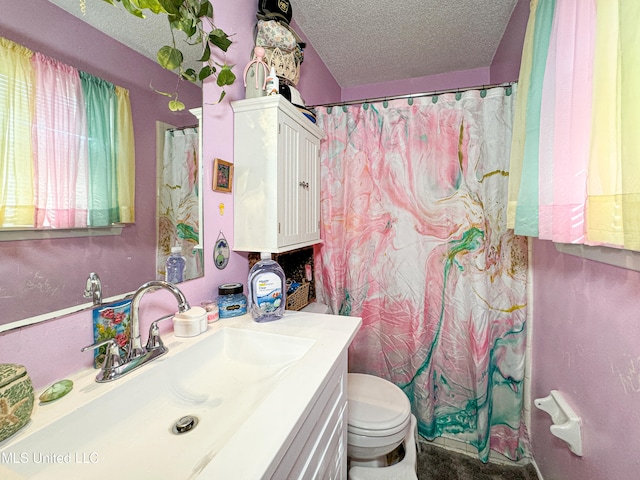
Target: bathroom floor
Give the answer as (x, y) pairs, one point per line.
(437, 463)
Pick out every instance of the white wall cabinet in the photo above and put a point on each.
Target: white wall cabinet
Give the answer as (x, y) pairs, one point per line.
(276, 179)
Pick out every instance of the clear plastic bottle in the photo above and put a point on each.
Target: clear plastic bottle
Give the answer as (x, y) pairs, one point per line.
(267, 290)
(176, 264)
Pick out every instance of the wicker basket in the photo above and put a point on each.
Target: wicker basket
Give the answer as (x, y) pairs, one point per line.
(299, 298)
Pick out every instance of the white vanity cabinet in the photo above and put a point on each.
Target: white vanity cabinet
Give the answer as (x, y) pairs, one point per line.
(270, 399)
(318, 450)
(276, 179)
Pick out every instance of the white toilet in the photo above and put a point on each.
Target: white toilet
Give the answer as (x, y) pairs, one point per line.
(379, 420)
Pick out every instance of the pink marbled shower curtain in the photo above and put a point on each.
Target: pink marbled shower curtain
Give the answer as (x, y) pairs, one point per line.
(414, 199)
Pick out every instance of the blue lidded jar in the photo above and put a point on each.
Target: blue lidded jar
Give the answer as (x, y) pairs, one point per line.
(232, 302)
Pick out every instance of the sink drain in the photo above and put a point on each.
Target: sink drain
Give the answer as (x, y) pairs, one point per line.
(185, 424)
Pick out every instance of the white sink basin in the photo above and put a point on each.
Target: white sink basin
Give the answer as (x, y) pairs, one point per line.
(124, 429)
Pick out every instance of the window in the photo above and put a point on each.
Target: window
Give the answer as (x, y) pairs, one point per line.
(67, 156)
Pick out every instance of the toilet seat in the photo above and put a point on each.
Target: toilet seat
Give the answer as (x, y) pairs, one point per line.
(377, 407)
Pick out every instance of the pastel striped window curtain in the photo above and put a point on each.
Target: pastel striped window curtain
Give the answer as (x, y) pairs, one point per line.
(575, 175)
(16, 166)
(59, 146)
(67, 155)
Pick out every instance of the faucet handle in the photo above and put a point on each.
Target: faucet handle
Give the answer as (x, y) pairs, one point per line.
(112, 358)
(154, 342)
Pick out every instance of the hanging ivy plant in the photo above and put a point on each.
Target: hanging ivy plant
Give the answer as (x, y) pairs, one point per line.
(187, 16)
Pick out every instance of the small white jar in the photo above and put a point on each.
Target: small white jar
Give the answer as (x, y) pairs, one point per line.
(190, 323)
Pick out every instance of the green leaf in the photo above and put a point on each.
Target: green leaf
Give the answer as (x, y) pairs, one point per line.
(184, 24)
(194, 6)
(176, 105)
(205, 72)
(169, 57)
(206, 9)
(185, 12)
(206, 53)
(220, 39)
(225, 76)
(132, 9)
(189, 27)
(171, 6)
(222, 94)
(174, 21)
(110, 2)
(189, 74)
(152, 5)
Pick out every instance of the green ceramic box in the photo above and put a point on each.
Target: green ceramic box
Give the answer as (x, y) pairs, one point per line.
(16, 399)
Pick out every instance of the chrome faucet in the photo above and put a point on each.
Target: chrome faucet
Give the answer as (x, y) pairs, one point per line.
(135, 345)
(114, 366)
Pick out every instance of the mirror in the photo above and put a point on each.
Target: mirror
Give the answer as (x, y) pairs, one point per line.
(179, 205)
(45, 277)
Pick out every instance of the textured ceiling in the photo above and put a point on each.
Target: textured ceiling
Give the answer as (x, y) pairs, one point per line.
(360, 41)
(371, 41)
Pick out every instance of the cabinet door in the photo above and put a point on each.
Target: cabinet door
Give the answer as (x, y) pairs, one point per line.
(318, 450)
(288, 181)
(309, 183)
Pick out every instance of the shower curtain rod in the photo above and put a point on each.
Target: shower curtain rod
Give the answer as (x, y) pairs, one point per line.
(412, 95)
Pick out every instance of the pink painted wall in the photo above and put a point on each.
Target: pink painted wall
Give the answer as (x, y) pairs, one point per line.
(51, 350)
(505, 66)
(586, 343)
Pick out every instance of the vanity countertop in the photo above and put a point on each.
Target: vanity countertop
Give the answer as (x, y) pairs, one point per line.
(260, 440)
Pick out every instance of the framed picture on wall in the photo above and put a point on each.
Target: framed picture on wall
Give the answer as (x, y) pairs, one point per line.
(222, 175)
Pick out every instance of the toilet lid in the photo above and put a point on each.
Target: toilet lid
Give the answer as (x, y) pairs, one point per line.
(377, 407)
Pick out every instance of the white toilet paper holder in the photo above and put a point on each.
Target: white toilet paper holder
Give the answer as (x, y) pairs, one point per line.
(567, 426)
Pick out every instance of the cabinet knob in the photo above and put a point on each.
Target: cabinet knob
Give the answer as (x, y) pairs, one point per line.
(304, 184)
